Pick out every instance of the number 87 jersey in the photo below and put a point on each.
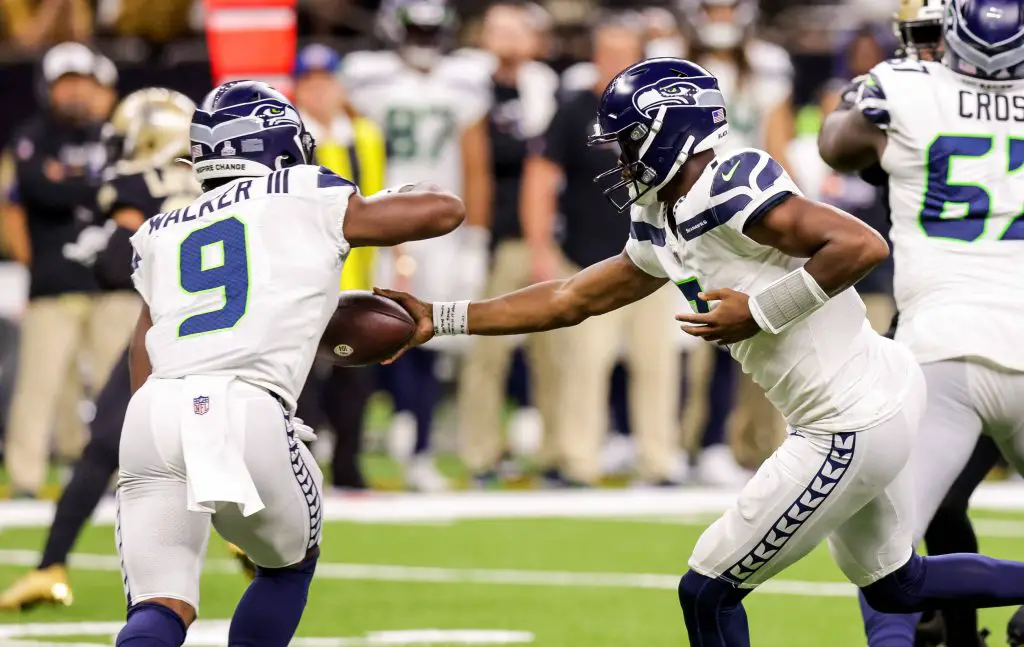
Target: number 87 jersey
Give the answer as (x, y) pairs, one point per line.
(955, 159)
(243, 281)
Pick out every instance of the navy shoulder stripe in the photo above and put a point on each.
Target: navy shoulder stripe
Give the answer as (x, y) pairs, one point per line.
(328, 178)
(765, 207)
(648, 232)
(713, 217)
(769, 174)
(735, 172)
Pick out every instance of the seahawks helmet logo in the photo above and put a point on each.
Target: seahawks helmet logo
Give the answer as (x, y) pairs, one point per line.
(273, 115)
(672, 93)
(258, 118)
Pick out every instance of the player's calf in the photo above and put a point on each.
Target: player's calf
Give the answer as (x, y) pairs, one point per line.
(713, 610)
(157, 622)
(925, 583)
(269, 612)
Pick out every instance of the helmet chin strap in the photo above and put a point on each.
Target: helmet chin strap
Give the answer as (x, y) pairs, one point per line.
(651, 196)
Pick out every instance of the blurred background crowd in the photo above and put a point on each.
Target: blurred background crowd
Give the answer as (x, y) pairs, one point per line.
(493, 100)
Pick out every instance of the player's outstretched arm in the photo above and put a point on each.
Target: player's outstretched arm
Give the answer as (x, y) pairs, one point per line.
(611, 284)
(414, 212)
(138, 357)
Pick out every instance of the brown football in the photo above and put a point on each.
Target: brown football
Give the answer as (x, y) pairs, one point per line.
(366, 329)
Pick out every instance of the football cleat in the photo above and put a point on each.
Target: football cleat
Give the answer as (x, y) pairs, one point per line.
(44, 586)
(248, 566)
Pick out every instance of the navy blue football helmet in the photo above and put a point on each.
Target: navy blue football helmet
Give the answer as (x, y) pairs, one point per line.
(985, 39)
(246, 129)
(660, 112)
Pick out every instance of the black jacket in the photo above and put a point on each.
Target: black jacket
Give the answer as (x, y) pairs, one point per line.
(58, 172)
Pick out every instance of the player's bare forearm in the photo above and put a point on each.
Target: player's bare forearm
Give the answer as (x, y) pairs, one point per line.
(841, 249)
(609, 285)
(848, 142)
(421, 212)
(606, 286)
(138, 357)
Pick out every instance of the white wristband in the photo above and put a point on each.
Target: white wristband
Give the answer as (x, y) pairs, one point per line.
(451, 318)
(787, 301)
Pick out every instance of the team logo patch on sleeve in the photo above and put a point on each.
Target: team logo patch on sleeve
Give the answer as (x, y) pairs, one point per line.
(200, 405)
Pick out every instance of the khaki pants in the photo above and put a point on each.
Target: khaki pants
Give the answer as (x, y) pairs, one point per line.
(482, 383)
(754, 428)
(880, 310)
(57, 333)
(647, 331)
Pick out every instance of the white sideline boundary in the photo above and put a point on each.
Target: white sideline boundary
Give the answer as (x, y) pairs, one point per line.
(441, 508)
(438, 575)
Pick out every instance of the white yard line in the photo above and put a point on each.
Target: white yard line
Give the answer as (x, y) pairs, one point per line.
(445, 508)
(215, 632)
(393, 573)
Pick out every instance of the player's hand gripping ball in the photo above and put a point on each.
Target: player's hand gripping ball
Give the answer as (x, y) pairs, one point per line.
(366, 329)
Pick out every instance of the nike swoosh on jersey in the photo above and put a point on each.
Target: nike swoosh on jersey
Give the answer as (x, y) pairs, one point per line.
(728, 176)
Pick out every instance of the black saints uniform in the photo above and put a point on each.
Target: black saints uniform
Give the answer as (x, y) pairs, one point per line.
(148, 191)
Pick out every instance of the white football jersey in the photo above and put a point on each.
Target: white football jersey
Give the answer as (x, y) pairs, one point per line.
(422, 114)
(828, 373)
(955, 159)
(243, 281)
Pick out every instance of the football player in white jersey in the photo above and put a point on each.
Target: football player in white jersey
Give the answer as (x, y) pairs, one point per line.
(239, 286)
(432, 108)
(769, 273)
(949, 136)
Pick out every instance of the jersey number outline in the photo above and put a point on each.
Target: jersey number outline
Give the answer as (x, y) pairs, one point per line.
(691, 288)
(939, 191)
(231, 276)
(403, 128)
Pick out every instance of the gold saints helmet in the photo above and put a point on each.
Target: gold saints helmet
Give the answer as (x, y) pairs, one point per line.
(919, 27)
(151, 127)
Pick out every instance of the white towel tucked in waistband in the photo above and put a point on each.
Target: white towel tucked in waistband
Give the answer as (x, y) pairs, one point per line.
(213, 445)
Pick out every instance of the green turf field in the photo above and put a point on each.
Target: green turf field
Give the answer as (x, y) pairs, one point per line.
(558, 582)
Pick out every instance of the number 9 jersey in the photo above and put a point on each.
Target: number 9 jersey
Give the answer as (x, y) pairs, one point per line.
(955, 159)
(243, 281)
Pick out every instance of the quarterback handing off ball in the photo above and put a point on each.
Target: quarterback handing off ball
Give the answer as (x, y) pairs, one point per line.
(366, 329)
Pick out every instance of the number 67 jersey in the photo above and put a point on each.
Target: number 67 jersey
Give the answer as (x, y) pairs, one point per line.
(955, 157)
(243, 281)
